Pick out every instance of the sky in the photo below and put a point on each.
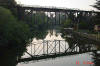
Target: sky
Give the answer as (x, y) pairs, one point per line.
(77, 4)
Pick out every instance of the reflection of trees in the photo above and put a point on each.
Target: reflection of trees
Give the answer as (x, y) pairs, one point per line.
(38, 24)
(73, 38)
(39, 34)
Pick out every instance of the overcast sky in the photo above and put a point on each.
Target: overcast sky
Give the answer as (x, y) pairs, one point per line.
(80, 4)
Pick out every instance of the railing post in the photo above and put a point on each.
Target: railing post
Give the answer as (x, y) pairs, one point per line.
(47, 18)
(55, 46)
(31, 48)
(31, 15)
(59, 46)
(59, 18)
(47, 47)
(43, 47)
(34, 49)
(65, 45)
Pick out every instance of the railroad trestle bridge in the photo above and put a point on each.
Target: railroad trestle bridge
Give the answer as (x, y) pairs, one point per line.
(74, 15)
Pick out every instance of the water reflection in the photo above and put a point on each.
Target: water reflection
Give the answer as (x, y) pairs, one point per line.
(10, 56)
(75, 38)
(39, 44)
(63, 61)
(54, 35)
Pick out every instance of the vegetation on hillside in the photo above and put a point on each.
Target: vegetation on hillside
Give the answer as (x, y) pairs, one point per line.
(12, 31)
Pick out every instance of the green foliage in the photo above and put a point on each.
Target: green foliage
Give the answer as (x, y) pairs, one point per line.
(12, 32)
(40, 29)
(97, 17)
(97, 4)
(7, 2)
(38, 24)
(83, 25)
(67, 23)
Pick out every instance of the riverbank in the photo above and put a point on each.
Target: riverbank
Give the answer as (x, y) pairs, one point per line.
(93, 34)
(88, 37)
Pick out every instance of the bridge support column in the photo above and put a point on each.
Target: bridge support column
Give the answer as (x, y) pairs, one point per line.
(35, 17)
(31, 15)
(65, 17)
(47, 18)
(19, 13)
(59, 18)
(55, 18)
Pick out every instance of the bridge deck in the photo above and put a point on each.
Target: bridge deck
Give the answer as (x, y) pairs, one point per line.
(54, 9)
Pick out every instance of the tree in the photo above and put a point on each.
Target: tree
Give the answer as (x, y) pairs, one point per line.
(67, 23)
(7, 2)
(97, 5)
(14, 37)
(13, 33)
(10, 5)
(97, 17)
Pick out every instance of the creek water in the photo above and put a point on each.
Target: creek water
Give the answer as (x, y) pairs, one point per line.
(84, 59)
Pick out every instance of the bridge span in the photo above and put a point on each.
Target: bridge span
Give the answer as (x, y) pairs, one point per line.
(53, 9)
(52, 49)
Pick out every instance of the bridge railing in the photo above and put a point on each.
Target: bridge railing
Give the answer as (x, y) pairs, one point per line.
(47, 47)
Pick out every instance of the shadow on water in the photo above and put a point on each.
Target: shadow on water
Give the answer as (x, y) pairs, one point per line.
(10, 56)
(84, 44)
